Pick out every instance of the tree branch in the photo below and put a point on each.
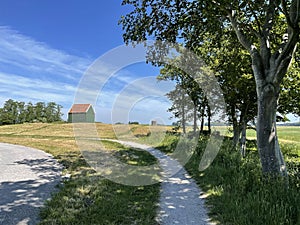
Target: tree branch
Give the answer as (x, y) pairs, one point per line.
(285, 57)
(265, 49)
(294, 13)
(291, 43)
(242, 38)
(256, 19)
(287, 14)
(269, 22)
(282, 69)
(258, 67)
(287, 49)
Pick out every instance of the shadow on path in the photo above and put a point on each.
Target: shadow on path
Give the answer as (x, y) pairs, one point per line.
(27, 178)
(181, 200)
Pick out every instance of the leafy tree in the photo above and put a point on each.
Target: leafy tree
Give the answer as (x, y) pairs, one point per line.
(180, 107)
(40, 112)
(29, 112)
(254, 23)
(9, 112)
(21, 118)
(14, 112)
(52, 112)
(289, 100)
(133, 122)
(58, 113)
(1, 116)
(231, 64)
(191, 103)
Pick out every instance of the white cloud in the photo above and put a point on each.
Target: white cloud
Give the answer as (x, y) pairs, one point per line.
(29, 89)
(27, 54)
(143, 100)
(9, 80)
(33, 71)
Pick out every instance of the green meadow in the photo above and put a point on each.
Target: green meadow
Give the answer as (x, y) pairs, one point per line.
(234, 188)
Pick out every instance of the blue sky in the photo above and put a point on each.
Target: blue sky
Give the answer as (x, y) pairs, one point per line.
(46, 47)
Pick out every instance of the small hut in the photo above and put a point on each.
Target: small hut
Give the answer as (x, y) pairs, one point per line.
(153, 123)
(81, 113)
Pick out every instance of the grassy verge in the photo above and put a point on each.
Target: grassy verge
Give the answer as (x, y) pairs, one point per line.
(91, 199)
(235, 191)
(88, 198)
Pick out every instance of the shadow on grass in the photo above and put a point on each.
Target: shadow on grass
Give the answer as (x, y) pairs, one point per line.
(237, 194)
(240, 196)
(91, 199)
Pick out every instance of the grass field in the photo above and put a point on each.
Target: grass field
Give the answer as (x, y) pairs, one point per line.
(286, 134)
(236, 193)
(88, 198)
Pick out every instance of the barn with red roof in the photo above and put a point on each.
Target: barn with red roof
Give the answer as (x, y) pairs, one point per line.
(81, 113)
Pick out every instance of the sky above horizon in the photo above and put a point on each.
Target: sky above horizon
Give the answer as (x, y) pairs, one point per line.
(46, 47)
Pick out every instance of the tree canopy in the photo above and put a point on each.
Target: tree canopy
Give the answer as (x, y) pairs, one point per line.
(14, 112)
(267, 30)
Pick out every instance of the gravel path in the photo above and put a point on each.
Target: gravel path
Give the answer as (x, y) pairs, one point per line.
(180, 199)
(27, 178)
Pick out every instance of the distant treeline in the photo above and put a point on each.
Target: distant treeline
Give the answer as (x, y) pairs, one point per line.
(14, 112)
(289, 124)
(133, 122)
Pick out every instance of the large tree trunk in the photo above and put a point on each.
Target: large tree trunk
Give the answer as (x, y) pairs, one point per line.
(236, 135)
(269, 70)
(270, 154)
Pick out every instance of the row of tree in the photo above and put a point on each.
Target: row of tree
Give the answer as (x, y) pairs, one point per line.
(15, 112)
(250, 45)
(231, 65)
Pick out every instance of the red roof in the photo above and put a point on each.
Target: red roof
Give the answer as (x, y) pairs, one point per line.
(80, 108)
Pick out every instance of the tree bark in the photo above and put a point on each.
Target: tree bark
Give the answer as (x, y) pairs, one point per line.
(271, 158)
(243, 139)
(269, 70)
(236, 134)
(209, 119)
(202, 119)
(235, 126)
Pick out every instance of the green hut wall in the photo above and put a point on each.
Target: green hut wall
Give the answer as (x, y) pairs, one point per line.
(82, 117)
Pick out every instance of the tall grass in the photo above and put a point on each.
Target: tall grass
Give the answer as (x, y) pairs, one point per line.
(236, 193)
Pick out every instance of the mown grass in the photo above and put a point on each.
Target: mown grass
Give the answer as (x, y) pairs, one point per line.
(237, 194)
(286, 134)
(88, 198)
